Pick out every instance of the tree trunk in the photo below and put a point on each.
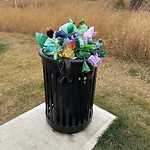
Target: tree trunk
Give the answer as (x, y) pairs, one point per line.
(15, 3)
(136, 4)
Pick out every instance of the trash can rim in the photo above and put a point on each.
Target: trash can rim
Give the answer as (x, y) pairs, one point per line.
(49, 58)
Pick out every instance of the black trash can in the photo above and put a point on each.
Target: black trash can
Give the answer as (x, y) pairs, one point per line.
(69, 105)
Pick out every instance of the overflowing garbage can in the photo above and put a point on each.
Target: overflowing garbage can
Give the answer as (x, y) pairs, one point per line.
(70, 59)
(69, 102)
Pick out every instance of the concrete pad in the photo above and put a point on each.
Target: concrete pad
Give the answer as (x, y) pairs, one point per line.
(30, 131)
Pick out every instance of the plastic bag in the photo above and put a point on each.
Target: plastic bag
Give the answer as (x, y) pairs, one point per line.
(40, 38)
(88, 35)
(94, 60)
(68, 27)
(68, 52)
(85, 67)
(81, 28)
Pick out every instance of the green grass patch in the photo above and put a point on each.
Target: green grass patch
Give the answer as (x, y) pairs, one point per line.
(133, 71)
(121, 136)
(131, 130)
(3, 48)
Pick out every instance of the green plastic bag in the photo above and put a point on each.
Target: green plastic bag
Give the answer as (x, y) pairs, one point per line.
(81, 28)
(82, 54)
(85, 67)
(101, 53)
(52, 42)
(40, 38)
(68, 27)
(88, 47)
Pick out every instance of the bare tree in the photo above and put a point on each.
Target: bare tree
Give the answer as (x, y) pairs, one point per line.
(137, 4)
(15, 3)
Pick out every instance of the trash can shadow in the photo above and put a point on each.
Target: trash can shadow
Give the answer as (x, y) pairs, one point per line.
(69, 105)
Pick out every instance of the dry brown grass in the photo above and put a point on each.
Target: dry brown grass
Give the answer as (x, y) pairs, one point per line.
(20, 75)
(125, 33)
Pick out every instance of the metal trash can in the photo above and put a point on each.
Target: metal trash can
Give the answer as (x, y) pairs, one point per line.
(69, 106)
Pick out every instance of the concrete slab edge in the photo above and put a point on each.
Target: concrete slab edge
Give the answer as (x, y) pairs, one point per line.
(23, 114)
(92, 142)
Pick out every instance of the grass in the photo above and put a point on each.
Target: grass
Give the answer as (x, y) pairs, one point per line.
(116, 27)
(133, 72)
(21, 84)
(3, 48)
(117, 91)
(120, 137)
(127, 97)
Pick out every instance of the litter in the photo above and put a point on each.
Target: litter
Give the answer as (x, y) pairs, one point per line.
(72, 42)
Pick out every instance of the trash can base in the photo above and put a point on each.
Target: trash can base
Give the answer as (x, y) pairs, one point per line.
(67, 129)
